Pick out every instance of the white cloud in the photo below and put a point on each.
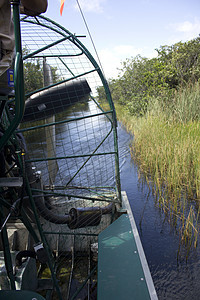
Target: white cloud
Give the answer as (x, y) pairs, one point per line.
(187, 29)
(124, 50)
(109, 62)
(91, 5)
(111, 58)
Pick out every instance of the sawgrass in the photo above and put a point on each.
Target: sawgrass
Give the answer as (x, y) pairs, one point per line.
(166, 149)
(169, 152)
(184, 106)
(168, 155)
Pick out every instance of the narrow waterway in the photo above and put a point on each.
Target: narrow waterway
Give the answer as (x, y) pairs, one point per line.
(174, 278)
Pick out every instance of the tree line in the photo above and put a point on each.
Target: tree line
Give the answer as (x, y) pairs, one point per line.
(142, 79)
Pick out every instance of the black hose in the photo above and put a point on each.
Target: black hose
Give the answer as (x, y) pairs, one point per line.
(23, 254)
(77, 217)
(87, 216)
(36, 183)
(48, 215)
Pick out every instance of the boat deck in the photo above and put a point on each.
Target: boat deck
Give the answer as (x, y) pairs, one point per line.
(123, 271)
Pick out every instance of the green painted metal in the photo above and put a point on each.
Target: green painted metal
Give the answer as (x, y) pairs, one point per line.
(4, 203)
(28, 225)
(109, 99)
(83, 284)
(11, 138)
(66, 66)
(46, 246)
(44, 48)
(103, 111)
(49, 193)
(120, 273)
(59, 56)
(18, 79)
(95, 150)
(92, 154)
(85, 51)
(6, 251)
(70, 233)
(71, 156)
(63, 122)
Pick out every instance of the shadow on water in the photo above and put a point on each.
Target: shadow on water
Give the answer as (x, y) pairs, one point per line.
(173, 278)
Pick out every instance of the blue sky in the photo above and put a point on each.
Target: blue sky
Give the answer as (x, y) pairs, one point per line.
(123, 29)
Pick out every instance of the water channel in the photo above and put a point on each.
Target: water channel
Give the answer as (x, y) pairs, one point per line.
(174, 278)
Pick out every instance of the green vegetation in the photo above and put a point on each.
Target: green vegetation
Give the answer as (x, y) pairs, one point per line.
(33, 74)
(159, 102)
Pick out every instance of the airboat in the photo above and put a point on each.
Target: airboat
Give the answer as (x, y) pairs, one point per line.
(67, 230)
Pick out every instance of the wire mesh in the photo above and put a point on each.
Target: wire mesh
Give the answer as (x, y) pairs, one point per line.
(70, 149)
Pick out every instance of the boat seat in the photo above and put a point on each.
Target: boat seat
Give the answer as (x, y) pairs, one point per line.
(20, 295)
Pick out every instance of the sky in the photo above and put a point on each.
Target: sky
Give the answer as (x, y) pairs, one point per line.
(124, 29)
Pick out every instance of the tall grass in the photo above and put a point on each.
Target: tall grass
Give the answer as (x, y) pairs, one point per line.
(166, 148)
(184, 106)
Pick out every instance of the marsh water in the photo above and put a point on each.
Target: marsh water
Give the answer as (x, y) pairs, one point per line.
(175, 273)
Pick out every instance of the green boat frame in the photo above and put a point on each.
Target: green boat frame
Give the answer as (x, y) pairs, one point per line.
(98, 214)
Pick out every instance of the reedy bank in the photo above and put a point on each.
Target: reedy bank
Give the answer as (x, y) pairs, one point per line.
(166, 150)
